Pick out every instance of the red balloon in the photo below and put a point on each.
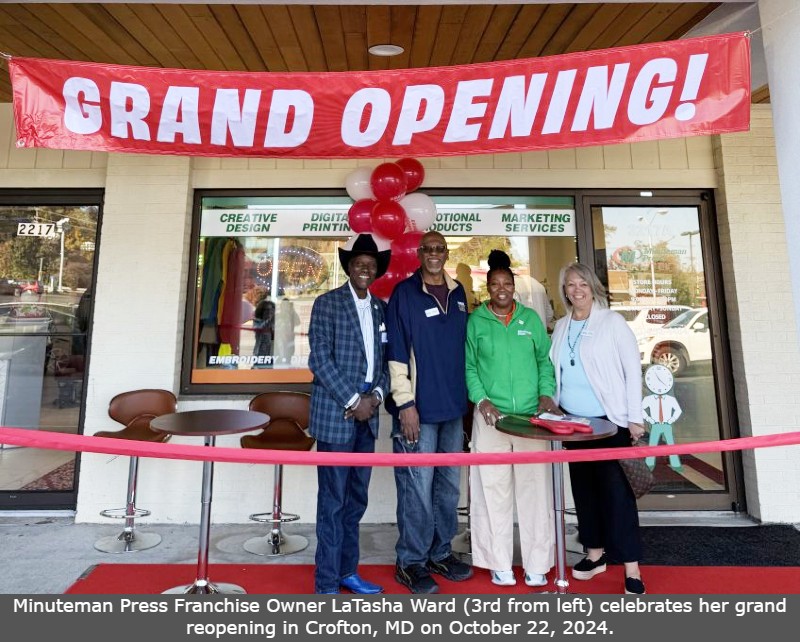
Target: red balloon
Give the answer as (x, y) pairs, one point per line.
(359, 216)
(414, 171)
(383, 287)
(405, 250)
(388, 219)
(388, 182)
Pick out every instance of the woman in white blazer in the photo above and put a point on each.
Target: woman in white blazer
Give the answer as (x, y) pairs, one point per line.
(598, 374)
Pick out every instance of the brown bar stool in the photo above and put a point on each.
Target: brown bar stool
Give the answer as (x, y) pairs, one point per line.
(289, 416)
(134, 410)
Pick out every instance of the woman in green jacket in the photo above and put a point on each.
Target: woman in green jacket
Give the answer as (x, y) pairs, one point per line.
(509, 371)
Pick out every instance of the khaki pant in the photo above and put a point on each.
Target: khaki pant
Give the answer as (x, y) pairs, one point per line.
(493, 490)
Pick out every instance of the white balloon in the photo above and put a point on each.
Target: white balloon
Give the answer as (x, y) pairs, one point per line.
(420, 210)
(382, 243)
(358, 185)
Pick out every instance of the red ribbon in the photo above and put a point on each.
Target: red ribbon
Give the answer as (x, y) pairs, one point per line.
(107, 445)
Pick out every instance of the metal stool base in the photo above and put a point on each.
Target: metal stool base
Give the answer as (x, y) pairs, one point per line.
(127, 542)
(462, 543)
(205, 588)
(272, 546)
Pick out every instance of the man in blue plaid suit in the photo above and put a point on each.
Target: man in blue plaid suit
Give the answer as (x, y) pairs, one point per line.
(347, 335)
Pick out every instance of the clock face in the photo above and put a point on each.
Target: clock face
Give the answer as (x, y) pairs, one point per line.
(658, 379)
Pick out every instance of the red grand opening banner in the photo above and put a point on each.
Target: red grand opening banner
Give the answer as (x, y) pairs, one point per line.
(645, 92)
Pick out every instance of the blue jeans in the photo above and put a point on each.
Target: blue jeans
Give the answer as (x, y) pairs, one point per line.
(341, 503)
(427, 497)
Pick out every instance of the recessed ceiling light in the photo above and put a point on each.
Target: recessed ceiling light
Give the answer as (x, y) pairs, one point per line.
(386, 50)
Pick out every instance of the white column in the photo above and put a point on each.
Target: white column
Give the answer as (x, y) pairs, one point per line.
(780, 20)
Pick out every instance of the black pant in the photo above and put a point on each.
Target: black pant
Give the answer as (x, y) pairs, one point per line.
(604, 502)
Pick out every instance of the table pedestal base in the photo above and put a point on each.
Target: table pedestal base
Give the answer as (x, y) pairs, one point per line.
(561, 532)
(204, 587)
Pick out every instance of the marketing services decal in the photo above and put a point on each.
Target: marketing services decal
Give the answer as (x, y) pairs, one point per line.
(332, 222)
(644, 92)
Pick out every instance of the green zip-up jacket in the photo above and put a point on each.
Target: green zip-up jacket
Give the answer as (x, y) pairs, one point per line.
(509, 365)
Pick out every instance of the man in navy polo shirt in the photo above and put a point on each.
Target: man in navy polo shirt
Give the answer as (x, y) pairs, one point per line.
(427, 323)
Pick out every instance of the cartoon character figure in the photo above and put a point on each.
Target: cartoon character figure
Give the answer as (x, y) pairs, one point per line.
(661, 411)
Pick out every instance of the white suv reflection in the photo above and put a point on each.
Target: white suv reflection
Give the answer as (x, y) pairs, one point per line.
(680, 343)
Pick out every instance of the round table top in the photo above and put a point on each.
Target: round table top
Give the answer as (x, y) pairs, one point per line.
(205, 423)
(519, 426)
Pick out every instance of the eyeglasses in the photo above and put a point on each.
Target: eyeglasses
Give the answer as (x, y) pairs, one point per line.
(433, 249)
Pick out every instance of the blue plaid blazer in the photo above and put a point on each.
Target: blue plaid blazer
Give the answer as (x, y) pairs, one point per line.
(339, 364)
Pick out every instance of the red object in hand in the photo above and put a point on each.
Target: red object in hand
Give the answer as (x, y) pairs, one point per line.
(560, 427)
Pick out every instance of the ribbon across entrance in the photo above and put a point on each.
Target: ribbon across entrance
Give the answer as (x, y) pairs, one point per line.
(106, 445)
(626, 94)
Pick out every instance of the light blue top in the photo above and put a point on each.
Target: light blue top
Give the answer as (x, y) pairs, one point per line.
(577, 396)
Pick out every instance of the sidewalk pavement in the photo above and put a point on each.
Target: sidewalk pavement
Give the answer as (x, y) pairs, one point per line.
(44, 553)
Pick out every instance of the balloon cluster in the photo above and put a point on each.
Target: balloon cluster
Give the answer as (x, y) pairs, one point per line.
(388, 207)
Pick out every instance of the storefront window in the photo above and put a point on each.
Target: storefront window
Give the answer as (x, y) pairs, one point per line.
(263, 260)
(652, 260)
(46, 275)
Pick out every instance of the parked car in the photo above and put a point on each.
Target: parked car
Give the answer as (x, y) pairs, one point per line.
(680, 343)
(9, 286)
(644, 319)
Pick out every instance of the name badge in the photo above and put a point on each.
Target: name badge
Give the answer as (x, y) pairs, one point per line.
(462, 306)
(432, 312)
(384, 338)
(523, 333)
(587, 333)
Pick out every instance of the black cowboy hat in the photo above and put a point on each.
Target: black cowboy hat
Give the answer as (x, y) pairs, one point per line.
(364, 244)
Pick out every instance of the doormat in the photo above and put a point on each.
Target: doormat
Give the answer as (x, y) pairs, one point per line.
(61, 478)
(771, 545)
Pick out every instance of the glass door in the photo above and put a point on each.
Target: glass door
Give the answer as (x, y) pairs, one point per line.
(658, 261)
(47, 259)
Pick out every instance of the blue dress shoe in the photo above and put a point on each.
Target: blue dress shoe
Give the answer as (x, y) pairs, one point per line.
(356, 584)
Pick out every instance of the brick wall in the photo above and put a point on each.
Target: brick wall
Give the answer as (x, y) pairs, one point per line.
(761, 319)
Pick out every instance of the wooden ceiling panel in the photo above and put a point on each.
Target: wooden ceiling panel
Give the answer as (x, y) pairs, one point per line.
(551, 22)
(294, 38)
(425, 31)
(601, 21)
(282, 27)
(354, 25)
(450, 23)
(472, 32)
(630, 17)
(402, 33)
(268, 49)
(573, 24)
(167, 36)
(176, 16)
(520, 31)
(640, 32)
(34, 34)
(329, 22)
(139, 30)
(494, 34)
(237, 39)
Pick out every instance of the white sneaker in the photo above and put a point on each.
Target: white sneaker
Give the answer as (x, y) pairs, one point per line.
(503, 578)
(535, 579)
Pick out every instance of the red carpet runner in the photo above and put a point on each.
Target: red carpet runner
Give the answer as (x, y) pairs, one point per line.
(294, 579)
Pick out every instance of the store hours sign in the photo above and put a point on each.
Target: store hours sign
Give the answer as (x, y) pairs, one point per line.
(332, 222)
